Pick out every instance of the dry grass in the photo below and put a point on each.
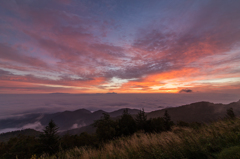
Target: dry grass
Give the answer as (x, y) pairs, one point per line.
(205, 142)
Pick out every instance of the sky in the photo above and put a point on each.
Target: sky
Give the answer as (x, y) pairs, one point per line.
(122, 46)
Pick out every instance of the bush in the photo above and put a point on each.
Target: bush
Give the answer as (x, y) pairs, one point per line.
(230, 114)
(230, 153)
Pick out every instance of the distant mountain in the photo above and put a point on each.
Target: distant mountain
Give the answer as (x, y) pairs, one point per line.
(20, 121)
(89, 129)
(111, 93)
(78, 121)
(65, 120)
(198, 112)
(58, 93)
(195, 112)
(28, 132)
(98, 114)
(71, 122)
(69, 119)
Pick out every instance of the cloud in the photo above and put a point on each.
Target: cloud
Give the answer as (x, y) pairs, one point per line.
(10, 54)
(185, 91)
(77, 125)
(37, 126)
(201, 37)
(118, 104)
(4, 73)
(87, 44)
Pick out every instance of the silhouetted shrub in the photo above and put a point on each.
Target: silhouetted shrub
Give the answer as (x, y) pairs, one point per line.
(230, 114)
(232, 153)
(167, 121)
(141, 120)
(106, 128)
(126, 124)
(182, 124)
(49, 139)
(155, 125)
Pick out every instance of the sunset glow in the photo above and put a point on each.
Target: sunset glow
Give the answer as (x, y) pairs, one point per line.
(137, 46)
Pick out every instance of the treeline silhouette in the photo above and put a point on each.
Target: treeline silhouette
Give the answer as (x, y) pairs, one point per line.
(107, 129)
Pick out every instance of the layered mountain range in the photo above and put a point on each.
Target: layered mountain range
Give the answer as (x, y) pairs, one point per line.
(80, 120)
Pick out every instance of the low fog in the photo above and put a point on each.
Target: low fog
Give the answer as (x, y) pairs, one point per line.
(19, 106)
(36, 125)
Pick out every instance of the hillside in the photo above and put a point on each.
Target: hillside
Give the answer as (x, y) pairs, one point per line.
(123, 136)
(198, 112)
(218, 140)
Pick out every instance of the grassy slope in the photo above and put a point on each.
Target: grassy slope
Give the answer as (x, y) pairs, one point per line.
(215, 140)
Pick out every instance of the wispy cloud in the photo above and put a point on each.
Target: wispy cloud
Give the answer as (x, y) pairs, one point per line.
(153, 47)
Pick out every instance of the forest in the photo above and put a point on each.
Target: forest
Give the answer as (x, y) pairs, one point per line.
(49, 143)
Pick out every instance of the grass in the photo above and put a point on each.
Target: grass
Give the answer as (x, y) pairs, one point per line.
(217, 140)
(232, 152)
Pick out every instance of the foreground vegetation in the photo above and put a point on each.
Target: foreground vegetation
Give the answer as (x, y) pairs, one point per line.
(217, 140)
(189, 141)
(107, 129)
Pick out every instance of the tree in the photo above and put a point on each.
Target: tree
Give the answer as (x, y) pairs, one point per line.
(230, 114)
(106, 128)
(141, 120)
(167, 121)
(156, 125)
(21, 146)
(127, 125)
(50, 139)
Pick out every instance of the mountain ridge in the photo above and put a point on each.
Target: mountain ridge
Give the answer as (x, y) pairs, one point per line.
(80, 119)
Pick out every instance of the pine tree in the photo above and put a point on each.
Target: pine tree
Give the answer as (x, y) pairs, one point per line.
(126, 123)
(106, 128)
(50, 139)
(167, 121)
(141, 120)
